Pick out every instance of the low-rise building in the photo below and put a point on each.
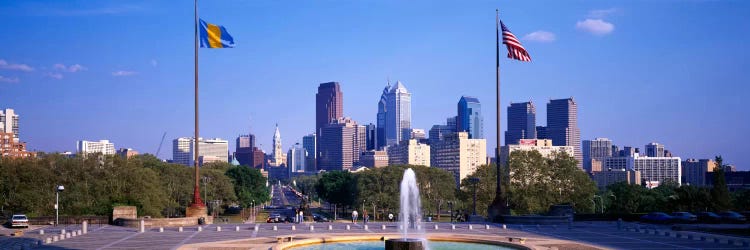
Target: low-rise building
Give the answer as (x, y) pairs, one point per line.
(609, 177)
(89, 147)
(543, 146)
(374, 158)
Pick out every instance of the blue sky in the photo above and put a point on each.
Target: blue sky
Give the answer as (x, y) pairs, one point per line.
(673, 72)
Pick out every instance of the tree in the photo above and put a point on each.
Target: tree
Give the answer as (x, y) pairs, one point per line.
(626, 198)
(486, 188)
(719, 191)
(337, 187)
(249, 185)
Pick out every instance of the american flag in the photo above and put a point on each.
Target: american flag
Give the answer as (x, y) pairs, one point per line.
(515, 49)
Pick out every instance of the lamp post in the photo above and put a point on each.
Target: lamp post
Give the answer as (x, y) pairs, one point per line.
(450, 208)
(474, 180)
(60, 188)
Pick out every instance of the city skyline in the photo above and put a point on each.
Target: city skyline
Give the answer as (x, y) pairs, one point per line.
(133, 99)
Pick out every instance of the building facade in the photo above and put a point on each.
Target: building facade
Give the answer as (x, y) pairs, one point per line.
(655, 150)
(656, 170)
(243, 151)
(694, 171)
(458, 154)
(609, 177)
(562, 125)
(544, 147)
(595, 151)
(329, 106)
(341, 140)
(398, 113)
(372, 136)
(90, 147)
(470, 118)
(9, 123)
(521, 122)
(409, 152)
(210, 150)
(10, 148)
(278, 157)
(374, 159)
(381, 118)
(296, 159)
(310, 145)
(126, 153)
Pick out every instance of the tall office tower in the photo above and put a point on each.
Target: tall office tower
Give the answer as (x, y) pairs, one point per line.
(654, 150)
(615, 151)
(627, 151)
(541, 132)
(470, 118)
(452, 122)
(308, 142)
(595, 150)
(359, 143)
(329, 106)
(339, 144)
(243, 151)
(382, 112)
(278, 157)
(9, 123)
(296, 158)
(211, 150)
(409, 152)
(694, 171)
(372, 136)
(459, 155)
(398, 113)
(89, 147)
(521, 122)
(438, 132)
(562, 125)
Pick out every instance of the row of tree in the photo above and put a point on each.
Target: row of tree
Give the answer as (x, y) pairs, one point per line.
(536, 183)
(95, 183)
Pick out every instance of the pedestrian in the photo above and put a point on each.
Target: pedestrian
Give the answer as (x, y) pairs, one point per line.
(390, 217)
(354, 216)
(301, 216)
(365, 218)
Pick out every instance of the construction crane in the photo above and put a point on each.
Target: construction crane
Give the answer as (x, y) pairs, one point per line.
(160, 143)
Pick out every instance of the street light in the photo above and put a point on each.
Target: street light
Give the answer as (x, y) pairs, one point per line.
(474, 180)
(57, 204)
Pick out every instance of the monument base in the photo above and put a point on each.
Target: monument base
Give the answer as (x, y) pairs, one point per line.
(196, 211)
(403, 244)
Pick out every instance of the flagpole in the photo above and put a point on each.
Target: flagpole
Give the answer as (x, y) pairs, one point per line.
(498, 204)
(197, 202)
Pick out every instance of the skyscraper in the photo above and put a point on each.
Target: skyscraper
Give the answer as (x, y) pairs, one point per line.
(340, 145)
(597, 150)
(562, 125)
(243, 151)
(382, 105)
(372, 137)
(398, 113)
(654, 150)
(310, 145)
(521, 122)
(296, 159)
(541, 132)
(329, 106)
(470, 118)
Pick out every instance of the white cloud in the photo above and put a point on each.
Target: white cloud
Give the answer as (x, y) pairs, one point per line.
(154, 62)
(124, 73)
(9, 80)
(595, 26)
(57, 76)
(603, 12)
(15, 66)
(540, 36)
(72, 68)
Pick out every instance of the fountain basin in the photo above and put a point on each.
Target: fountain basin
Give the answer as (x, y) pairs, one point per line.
(403, 244)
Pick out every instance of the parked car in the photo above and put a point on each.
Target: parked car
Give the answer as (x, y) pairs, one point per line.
(19, 220)
(709, 217)
(745, 213)
(657, 217)
(732, 217)
(684, 217)
(274, 218)
(320, 218)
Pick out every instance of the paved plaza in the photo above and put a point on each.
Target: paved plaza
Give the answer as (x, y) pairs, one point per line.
(604, 235)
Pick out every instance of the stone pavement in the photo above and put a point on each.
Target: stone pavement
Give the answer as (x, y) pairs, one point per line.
(604, 235)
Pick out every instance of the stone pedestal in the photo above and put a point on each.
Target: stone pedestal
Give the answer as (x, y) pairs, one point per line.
(403, 244)
(196, 211)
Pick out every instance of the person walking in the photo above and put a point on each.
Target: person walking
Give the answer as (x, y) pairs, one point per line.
(354, 216)
(365, 218)
(390, 217)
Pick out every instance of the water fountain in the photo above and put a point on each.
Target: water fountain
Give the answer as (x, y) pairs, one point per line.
(410, 217)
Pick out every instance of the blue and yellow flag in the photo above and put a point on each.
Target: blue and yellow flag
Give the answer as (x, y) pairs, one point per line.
(214, 36)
